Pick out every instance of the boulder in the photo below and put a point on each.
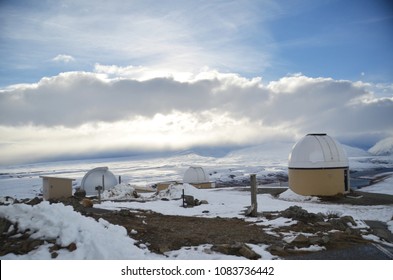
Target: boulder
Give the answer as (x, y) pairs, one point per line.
(189, 200)
(348, 220)
(298, 213)
(301, 238)
(237, 249)
(87, 203)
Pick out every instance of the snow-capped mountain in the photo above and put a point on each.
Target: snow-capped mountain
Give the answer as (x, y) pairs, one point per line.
(355, 152)
(383, 147)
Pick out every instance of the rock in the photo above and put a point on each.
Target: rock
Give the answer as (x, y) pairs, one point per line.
(87, 203)
(318, 240)
(226, 249)
(204, 202)
(53, 248)
(80, 193)
(163, 248)
(301, 238)
(323, 224)
(325, 239)
(8, 200)
(135, 194)
(30, 245)
(237, 249)
(54, 255)
(348, 220)
(189, 200)
(4, 225)
(315, 240)
(338, 224)
(298, 213)
(71, 247)
(277, 250)
(34, 201)
(248, 253)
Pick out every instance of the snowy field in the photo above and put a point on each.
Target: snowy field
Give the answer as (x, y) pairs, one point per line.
(101, 240)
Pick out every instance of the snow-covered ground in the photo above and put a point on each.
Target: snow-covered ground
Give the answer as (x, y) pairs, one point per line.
(23, 181)
(101, 240)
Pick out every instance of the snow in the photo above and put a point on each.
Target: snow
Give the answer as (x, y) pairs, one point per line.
(385, 186)
(61, 223)
(383, 147)
(355, 152)
(102, 240)
(289, 195)
(311, 248)
(119, 192)
(198, 253)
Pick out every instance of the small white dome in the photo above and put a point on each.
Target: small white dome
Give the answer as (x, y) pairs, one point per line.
(93, 178)
(195, 175)
(317, 151)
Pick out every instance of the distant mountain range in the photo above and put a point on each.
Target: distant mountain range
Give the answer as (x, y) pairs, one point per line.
(281, 150)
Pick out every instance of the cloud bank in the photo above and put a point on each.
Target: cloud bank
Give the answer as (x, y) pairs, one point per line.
(133, 108)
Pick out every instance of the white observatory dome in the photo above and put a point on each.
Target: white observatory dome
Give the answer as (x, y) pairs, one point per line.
(195, 175)
(317, 150)
(97, 177)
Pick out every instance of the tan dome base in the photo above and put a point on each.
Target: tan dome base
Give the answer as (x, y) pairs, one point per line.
(320, 182)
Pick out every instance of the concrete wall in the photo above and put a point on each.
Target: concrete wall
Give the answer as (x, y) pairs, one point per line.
(321, 182)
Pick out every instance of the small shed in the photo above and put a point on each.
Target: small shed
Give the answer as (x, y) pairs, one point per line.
(318, 165)
(99, 176)
(56, 187)
(198, 177)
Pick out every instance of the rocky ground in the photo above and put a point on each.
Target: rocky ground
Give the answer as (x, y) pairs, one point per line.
(162, 233)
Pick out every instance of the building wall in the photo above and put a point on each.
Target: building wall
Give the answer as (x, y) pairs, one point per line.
(164, 185)
(321, 182)
(54, 188)
(206, 185)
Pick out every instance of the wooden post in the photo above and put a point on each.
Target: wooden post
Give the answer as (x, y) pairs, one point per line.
(119, 179)
(103, 182)
(184, 201)
(254, 204)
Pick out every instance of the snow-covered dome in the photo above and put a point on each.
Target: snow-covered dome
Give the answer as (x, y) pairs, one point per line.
(317, 151)
(94, 178)
(195, 175)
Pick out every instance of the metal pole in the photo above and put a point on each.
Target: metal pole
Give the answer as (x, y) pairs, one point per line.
(99, 188)
(119, 179)
(103, 182)
(254, 204)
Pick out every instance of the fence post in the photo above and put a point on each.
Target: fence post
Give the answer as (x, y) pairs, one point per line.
(254, 204)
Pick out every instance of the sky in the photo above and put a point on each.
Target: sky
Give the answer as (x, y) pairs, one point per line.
(94, 78)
